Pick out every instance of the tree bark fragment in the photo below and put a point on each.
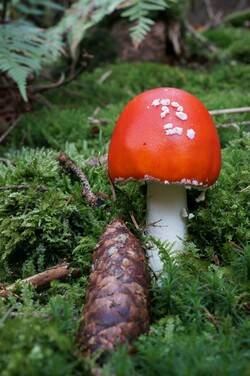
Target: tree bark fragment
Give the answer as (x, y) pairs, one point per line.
(116, 309)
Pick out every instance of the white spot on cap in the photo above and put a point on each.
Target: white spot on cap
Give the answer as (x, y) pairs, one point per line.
(148, 107)
(156, 102)
(175, 104)
(166, 182)
(163, 114)
(191, 134)
(165, 109)
(186, 181)
(165, 102)
(181, 115)
(175, 130)
(180, 109)
(195, 182)
(168, 126)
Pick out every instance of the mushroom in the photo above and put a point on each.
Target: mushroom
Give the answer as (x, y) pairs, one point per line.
(166, 137)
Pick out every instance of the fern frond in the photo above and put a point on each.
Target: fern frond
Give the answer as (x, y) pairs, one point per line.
(35, 7)
(81, 16)
(139, 12)
(23, 50)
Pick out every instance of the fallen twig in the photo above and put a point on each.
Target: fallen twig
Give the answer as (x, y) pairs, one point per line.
(9, 130)
(56, 272)
(18, 187)
(134, 221)
(212, 318)
(104, 77)
(112, 189)
(245, 189)
(6, 161)
(230, 111)
(70, 166)
(209, 9)
(235, 125)
(200, 38)
(61, 82)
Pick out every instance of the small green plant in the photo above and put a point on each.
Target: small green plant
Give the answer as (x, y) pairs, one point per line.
(139, 13)
(24, 48)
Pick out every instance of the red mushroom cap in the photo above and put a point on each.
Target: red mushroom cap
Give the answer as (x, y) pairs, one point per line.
(165, 134)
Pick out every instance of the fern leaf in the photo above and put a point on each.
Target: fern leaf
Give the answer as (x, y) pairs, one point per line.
(81, 16)
(23, 50)
(139, 12)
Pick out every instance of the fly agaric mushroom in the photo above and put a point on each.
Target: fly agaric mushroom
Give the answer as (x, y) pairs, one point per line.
(167, 137)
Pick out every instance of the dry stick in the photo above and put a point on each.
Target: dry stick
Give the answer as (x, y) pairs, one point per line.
(200, 38)
(70, 166)
(61, 82)
(211, 318)
(209, 9)
(6, 161)
(230, 111)
(10, 129)
(18, 187)
(234, 124)
(56, 272)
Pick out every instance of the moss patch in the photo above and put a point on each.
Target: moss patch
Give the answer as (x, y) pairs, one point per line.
(200, 312)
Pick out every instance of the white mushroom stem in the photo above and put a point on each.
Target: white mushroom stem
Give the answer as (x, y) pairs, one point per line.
(165, 204)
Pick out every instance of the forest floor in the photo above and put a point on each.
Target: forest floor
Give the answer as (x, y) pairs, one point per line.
(200, 313)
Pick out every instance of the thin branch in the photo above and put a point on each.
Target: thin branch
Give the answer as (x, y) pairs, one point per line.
(61, 82)
(6, 161)
(104, 77)
(230, 111)
(70, 166)
(200, 38)
(134, 221)
(9, 130)
(59, 271)
(209, 9)
(54, 85)
(212, 318)
(245, 189)
(235, 125)
(112, 187)
(16, 187)
(19, 187)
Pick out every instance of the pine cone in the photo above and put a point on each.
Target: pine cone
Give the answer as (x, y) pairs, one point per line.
(116, 309)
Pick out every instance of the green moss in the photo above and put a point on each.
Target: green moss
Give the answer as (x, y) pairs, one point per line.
(234, 42)
(221, 224)
(173, 350)
(238, 19)
(199, 313)
(68, 119)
